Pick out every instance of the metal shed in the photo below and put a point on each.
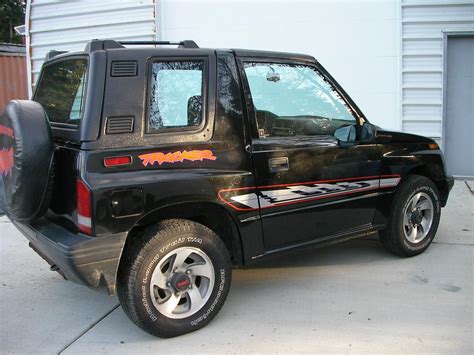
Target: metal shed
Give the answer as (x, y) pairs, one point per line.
(13, 84)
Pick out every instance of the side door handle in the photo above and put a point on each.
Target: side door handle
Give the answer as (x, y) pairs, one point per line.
(276, 165)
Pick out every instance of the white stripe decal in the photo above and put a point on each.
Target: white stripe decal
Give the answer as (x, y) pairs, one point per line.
(300, 193)
(268, 197)
(249, 200)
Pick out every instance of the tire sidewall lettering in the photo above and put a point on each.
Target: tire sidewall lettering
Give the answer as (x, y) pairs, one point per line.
(222, 278)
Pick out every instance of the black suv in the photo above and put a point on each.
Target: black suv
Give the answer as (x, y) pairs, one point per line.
(152, 171)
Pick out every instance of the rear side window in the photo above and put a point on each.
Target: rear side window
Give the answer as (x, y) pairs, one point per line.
(60, 90)
(176, 95)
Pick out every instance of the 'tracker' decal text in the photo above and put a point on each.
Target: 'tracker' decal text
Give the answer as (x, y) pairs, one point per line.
(175, 157)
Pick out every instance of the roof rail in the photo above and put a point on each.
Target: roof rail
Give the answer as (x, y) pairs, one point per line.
(180, 44)
(52, 54)
(104, 44)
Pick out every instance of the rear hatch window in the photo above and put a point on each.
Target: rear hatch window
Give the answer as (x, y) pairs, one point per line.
(60, 91)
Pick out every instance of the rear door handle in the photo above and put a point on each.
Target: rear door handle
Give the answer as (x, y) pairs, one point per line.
(277, 165)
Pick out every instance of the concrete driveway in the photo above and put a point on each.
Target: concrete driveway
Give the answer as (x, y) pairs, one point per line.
(351, 297)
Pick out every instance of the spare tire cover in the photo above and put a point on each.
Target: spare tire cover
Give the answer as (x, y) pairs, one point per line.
(26, 158)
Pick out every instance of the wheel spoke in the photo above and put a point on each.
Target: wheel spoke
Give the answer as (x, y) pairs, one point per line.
(413, 233)
(179, 258)
(195, 298)
(170, 305)
(406, 220)
(202, 270)
(425, 224)
(414, 200)
(424, 205)
(158, 279)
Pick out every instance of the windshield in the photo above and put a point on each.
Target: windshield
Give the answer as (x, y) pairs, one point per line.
(60, 90)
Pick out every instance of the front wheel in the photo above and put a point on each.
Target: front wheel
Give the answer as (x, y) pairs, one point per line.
(175, 278)
(414, 217)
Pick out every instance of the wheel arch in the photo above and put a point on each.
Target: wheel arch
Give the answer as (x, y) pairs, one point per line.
(435, 175)
(415, 162)
(420, 168)
(209, 214)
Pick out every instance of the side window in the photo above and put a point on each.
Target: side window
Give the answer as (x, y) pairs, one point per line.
(176, 95)
(61, 90)
(76, 109)
(294, 100)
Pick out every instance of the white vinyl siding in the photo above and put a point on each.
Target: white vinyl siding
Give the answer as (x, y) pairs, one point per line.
(356, 41)
(69, 25)
(423, 24)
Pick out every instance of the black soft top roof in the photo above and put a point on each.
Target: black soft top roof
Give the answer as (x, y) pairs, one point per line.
(184, 47)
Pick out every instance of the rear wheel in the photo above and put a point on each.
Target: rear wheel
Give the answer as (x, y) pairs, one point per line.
(414, 217)
(175, 278)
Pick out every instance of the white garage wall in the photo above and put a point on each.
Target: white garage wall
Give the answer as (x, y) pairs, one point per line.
(69, 25)
(423, 25)
(357, 41)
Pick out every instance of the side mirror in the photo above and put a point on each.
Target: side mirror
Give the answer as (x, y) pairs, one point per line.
(367, 133)
(345, 135)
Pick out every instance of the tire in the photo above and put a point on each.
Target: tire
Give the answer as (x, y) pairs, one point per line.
(26, 160)
(417, 199)
(149, 286)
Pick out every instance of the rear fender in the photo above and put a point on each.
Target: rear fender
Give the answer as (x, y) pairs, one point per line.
(212, 215)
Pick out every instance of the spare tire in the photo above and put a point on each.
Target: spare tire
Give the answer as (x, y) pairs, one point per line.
(26, 159)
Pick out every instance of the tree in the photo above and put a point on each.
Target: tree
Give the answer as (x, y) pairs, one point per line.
(12, 13)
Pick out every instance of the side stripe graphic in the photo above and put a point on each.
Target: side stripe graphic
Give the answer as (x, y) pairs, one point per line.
(248, 199)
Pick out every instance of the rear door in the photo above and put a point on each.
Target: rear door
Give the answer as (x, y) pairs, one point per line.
(308, 185)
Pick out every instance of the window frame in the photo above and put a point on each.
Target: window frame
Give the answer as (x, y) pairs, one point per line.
(61, 125)
(251, 113)
(148, 130)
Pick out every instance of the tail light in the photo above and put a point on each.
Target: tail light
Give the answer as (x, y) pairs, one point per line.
(84, 208)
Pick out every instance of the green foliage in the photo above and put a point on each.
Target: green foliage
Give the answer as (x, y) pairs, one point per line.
(12, 13)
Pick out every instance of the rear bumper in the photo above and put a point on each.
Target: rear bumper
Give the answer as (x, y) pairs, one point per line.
(91, 261)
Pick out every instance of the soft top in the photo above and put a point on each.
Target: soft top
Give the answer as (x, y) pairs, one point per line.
(184, 46)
